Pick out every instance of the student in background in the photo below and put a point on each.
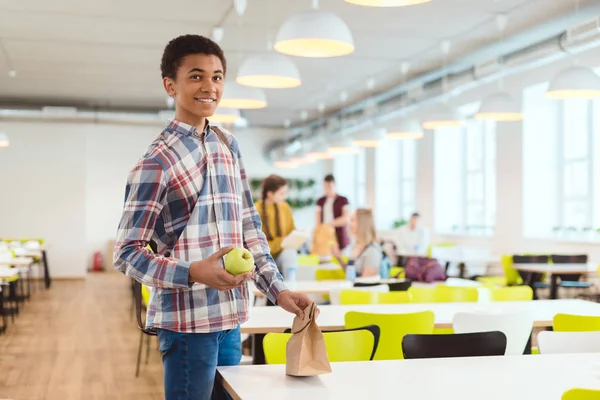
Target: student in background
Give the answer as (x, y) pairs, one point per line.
(278, 220)
(333, 209)
(412, 238)
(366, 253)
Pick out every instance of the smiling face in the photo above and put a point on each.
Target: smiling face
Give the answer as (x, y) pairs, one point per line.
(197, 88)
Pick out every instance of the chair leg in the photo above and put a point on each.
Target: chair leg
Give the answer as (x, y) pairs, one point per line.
(139, 356)
(147, 349)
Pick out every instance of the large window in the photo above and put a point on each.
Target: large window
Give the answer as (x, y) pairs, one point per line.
(465, 178)
(561, 167)
(395, 181)
(350, 175)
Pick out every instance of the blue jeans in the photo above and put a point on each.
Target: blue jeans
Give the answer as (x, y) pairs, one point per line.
(190, 361)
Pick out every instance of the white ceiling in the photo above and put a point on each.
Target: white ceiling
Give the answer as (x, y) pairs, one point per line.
(107, 53)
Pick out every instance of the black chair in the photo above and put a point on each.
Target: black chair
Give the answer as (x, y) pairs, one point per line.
(400, 286)
(532, 279)
(571, 280)
(454, 345)
(374, 329)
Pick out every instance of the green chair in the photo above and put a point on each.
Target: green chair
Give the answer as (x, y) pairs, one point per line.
(330, 274)
(307, 260)
(397, 272)
(394, 297)
(345, 345)
(349, 297)
(512, 293)
(422, 294)
(393, 328)
(575, 323)
(581, 394)
(453, 294)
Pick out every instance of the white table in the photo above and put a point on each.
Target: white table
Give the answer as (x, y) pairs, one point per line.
(17, 262)
(473, 378)
(275, 319)
(556, 269)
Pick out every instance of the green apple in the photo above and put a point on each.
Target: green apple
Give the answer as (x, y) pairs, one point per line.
(239, 261)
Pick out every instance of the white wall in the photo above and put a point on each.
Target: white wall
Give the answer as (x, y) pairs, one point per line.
(509, 228)
(65, 182)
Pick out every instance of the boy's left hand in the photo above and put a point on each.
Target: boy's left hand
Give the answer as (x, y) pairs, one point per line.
(294, 303)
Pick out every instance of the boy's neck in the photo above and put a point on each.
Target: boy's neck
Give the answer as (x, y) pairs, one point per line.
(190, 119)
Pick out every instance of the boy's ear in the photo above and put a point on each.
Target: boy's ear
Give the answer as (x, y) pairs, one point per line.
(169, 86)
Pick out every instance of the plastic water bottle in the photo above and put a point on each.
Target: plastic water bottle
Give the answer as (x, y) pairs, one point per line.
(384, 268)
(292, 273)
(350, 271)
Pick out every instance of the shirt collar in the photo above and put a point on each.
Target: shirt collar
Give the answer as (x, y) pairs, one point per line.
(186, 129)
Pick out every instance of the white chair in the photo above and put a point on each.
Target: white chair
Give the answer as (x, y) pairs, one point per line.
(515, 326)
(568, 342)
(335, 294)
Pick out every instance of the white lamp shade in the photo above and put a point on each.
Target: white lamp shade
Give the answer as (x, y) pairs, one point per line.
(270, 71)
(4, 140)
(343, 145)
(407, 129)
(442, 117)
(242, 97)
(386, 3)
(499, 107)
(314, 33)
(574, 83)
(370, 138)
(224, 115)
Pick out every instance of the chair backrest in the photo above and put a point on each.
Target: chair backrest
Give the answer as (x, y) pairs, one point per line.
(512, 275)
(581, 394)
(306, 260)
(330, 274)
(451, 294)
(397, 272)
(575, 323)
(454, 345)
(349, 296)
(393, 328)
(569, 259)
(357, 344)
(399, 286)
(568, 342)
(394, 298)
(336, 293)
(515, 326)
(512, 293)
(422, 294)
(530, 259)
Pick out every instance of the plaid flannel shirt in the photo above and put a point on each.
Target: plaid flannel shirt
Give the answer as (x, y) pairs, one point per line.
(183, 170)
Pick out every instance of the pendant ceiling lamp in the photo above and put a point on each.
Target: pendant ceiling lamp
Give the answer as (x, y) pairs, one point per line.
(271, 71)
(499, 107)
(370, 138)
(386, 3)
(442, 117)
(314, 33)
(4, 140)
(407, 129)
(224, 115)
(242, 97)
(575, 82)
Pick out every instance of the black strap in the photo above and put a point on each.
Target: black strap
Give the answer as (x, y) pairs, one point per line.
(223, 139)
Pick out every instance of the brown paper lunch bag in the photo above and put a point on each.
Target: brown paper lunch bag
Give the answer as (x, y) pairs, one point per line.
(306, 354)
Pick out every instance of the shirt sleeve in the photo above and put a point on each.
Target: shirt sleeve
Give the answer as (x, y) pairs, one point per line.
(370, 258)
(145, 196)
(266, 276)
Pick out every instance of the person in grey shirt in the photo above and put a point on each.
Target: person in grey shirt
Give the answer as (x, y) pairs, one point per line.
(366, 252)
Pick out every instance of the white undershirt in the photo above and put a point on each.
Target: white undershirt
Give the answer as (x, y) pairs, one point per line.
(328, 209)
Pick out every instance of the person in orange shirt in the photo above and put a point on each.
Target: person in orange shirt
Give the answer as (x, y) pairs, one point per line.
(277, 220)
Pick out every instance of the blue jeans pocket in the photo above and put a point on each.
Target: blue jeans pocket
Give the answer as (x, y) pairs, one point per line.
(165, 339)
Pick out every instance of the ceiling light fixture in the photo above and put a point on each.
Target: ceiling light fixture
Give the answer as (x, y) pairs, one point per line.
(242, 97)
(314, 33)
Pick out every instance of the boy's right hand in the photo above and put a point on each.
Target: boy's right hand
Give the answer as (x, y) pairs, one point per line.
(210, 272)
